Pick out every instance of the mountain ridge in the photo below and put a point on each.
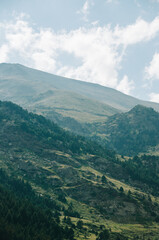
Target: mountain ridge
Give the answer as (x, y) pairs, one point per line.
(26, 83)
(133, 132)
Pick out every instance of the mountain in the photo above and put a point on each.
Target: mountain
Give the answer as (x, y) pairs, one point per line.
(132, 132)
(46, 93)
(90, 186)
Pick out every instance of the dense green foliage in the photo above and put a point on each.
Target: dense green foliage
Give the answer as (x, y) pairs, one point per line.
(141, 172)
(25, 216)
(42, 132)
(127, 133)
(145, 170)
(132, 132)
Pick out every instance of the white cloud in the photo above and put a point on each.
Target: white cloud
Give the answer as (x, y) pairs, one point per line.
(98, 48)
(35, 48)
(4, 53)
(99, 59)
(125, 85)
(154, 97)
(139, 32)
(152, 71)
(85, 11)
(19, 36)
(95, 23)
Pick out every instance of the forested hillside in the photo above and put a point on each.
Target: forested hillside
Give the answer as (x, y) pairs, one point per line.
(24, 215)
(38, 151)
(80, 181)
(20, 128)
(130, 133)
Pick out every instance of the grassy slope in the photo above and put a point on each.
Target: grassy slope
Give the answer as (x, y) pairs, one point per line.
(42, 92)
(71, 104)
(31, 88)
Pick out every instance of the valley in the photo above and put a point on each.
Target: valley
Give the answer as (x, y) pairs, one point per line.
(87, 181)
(89, 152)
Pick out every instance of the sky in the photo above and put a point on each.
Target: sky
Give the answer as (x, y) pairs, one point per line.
(114, 43)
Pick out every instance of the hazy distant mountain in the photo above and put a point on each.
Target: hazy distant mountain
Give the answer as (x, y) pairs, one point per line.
(43, 92)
